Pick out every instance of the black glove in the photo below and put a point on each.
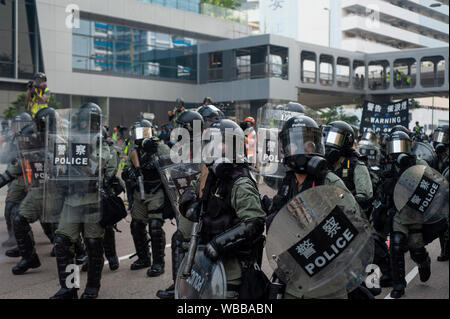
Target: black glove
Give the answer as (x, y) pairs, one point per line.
(266, 204)
(189, 205)
(232, 238)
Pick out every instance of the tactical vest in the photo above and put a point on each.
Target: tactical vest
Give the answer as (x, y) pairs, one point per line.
(219, 213)
(347, 172)
(149, 171)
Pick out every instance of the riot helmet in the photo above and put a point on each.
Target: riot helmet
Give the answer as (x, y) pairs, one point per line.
(186, 120)
(39, 78)
(338, 138)
(440, 139)
(302, 147)
(224, 145)
(88, 118)
(398, 148)
(141, 130)
(292, 107)
(45, 119)
(207, 101)
(399, 128)
(21, 120)
(210, 114)
(369, 135)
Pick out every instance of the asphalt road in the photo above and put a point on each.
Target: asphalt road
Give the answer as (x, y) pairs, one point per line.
(42, 283)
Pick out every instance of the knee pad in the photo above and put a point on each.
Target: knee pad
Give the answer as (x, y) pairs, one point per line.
(419, 255)
(177, 240)
(63, 244)
(21, 224)
(137, 227)
(94, 246)
(399, 243)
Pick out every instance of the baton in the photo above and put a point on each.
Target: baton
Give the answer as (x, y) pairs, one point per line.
(196, 228)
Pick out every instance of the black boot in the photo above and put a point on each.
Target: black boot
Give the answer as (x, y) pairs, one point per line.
(158, 239)
(64, 258)
(95, 265)
(398, 247)
(178, 253)
(13, 253)
(80, 252)
(443, 240)
(141, 244)
(25, 242)
(109, 244)
(383, 260)
(421, 258)
(9, 215)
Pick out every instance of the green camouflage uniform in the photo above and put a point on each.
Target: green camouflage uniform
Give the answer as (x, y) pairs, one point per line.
(81, 211)
(145, 210)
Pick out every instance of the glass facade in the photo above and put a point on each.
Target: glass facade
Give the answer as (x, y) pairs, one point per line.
(102, 47)
(186, 5)
(20, 50)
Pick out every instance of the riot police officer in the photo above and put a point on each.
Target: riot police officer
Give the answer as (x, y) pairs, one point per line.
(441, 146)
(303, 152)
(148, 206)
(404, 235)
(32, 207)
(227, 200)
(16, 185)
(210, 114)
(81, 212)
(180, 238)
(345, 162)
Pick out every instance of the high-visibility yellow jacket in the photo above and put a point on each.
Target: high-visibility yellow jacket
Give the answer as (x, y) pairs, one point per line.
(34, 106)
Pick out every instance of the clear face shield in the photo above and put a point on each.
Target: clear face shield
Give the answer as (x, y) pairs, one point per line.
(333, 137)
(440, 137)
(302, 141)
(398, 146)
(140, 133)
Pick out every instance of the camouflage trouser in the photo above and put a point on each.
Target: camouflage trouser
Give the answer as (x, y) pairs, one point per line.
(411, 231)
(81, 219)
(148, 209)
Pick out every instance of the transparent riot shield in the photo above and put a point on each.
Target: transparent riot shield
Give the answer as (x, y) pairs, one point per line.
(207, 281)
(270, 121)
(318, 244)
(74, 167)
(421, 195)
(372, 151)
(425, 151)
(176, 177)
(32, 159)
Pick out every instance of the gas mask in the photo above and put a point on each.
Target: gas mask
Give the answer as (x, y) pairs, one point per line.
(307, 164)
(221, 168)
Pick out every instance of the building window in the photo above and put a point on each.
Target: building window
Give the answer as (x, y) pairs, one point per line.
(103, 47)
(308, 67)
(215, 67)
(405, 71)
(343, 72)
(432, 71)
(380, 75)
(359, 74)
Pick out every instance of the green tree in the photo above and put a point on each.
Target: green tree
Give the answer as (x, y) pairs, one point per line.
(19, 105)
(334, 113)
(230, 4)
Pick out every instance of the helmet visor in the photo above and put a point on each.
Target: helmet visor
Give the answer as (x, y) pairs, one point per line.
(139, 133)
(302, 141)
(440, 137)
(368, 136)
(398, 146)
(333, 137)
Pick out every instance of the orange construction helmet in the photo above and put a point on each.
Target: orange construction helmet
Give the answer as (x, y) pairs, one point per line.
(250, 119)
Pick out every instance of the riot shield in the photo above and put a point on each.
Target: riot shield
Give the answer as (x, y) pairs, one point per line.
(207, 281)
(425, 151)
(74, 166)
(32, 159)
(319, 244)
(421, 195)
(176, 177)
(270, 120)
(372, 151)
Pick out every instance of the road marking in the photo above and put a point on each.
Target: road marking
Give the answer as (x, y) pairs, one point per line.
(128, 256)
(413, 273)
